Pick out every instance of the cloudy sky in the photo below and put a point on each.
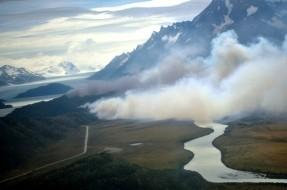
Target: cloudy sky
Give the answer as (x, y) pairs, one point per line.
(39, 33)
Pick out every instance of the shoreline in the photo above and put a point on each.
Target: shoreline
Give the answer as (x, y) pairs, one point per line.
(209, 158)
(270, 175)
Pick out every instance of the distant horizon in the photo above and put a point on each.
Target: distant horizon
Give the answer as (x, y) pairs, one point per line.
(39, 34)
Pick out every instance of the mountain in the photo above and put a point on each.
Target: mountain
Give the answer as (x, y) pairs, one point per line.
(249, 19)
(61, 69)
(69, 68)
(3, 83)
(50, 89)
(14, 75)
(3, 105)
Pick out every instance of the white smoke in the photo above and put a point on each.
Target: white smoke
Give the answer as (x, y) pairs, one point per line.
(172, 70)
(234, 79)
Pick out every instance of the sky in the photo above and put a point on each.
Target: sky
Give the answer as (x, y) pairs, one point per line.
(36, 34)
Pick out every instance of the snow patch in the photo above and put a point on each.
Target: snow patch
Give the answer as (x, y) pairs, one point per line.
(61, 69)
(251, 10)
(13, 75)
(227, 21)
(277, 23)
(229, 6)
(122, 62)
(13, 71)
(170, 39)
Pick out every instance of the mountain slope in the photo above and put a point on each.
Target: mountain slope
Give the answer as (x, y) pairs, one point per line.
(13, 75)
(50, 89)
(249, 19)
(3, 105)
(104, 172)
(31, 128)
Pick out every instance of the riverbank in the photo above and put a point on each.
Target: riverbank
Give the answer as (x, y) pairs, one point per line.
(208, 158)
(243, 145)
(156, 145)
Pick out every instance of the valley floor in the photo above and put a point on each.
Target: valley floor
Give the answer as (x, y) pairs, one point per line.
(156, 145)
(153, 156)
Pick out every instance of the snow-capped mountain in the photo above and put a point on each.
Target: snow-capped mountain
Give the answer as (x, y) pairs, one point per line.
(250, 19)
(69, 68)
(61, 69)
(14, 75)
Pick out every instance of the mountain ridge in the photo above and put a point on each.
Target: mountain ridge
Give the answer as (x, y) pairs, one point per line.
(249, 19)
(50, 89)
(14, 75)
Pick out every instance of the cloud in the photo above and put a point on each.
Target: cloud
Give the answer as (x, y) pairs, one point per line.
(54, 30)
(143, 4)
(235, 79)
(180, 12)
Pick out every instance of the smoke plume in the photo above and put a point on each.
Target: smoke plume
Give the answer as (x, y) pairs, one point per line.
(234, 79)
(172, 70)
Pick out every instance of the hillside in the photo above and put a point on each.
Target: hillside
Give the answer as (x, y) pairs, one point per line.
(104, 172)
(28, 130)
(3, 105)
(50, 89)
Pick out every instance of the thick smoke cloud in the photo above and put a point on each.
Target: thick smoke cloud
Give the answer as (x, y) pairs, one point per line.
(234, 79)
(172, 70)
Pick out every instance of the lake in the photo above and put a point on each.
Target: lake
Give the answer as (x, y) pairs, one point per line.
(9, 92)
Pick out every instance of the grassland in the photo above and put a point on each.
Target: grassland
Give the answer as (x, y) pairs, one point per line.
(143, 155)
(157, 145)
(161, 144)
(256, 147)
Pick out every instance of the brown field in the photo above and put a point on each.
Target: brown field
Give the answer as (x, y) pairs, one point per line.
(260, 147)
(162, 142)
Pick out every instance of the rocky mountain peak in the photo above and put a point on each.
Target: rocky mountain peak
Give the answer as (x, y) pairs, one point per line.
(249, 19)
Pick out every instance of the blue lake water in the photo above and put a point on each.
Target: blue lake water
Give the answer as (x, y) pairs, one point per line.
(9, 92)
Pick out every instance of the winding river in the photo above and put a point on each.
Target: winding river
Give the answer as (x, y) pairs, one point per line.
(207, 161)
